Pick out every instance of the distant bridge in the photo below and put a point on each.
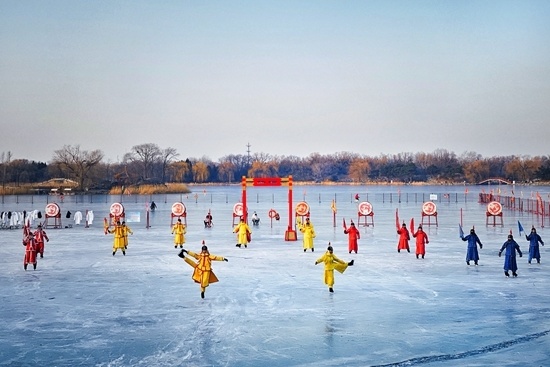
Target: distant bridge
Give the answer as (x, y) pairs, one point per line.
(494, 180)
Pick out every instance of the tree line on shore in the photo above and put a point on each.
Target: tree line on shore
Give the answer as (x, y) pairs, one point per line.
(150, 164)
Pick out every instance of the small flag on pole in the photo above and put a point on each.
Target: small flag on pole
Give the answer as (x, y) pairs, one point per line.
(520, 228)
(460, 231)
(333, 206)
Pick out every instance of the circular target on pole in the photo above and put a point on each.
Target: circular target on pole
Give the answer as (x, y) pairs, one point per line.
(429, 208)
(178, 209)
(494, 208)
(52, 210)
(365, 208)
(117, 209)
(302, 208)
(238, 209)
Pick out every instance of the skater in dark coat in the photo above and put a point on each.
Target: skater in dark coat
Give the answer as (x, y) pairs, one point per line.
(534, 240)
(510, 263)
(473, 241)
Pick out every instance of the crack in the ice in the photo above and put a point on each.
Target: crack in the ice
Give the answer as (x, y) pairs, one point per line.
(450, 357)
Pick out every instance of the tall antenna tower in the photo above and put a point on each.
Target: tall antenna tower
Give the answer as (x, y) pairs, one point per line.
(248, 152)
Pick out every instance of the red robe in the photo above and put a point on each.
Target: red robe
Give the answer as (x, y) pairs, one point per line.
(30, 252)
(39, 236)
(404, 238)
(353, 236)
(421, 241)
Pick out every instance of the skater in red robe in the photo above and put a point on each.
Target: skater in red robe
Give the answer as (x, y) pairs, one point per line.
(404, 238)
(39, 237)
(30, 251)
(421, 241)
(353, 236)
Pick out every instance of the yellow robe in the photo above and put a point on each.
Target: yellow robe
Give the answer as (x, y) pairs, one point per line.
(127, 231)
(179, 229)
(309, 234)
(119, 237)
(332, 262)
(203, 273)
(241, 229)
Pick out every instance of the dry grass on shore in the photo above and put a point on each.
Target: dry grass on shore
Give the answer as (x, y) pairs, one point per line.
(168, 188)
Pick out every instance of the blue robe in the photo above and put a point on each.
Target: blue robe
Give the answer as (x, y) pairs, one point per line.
(534, 240)
(511, 247)
(471, 253)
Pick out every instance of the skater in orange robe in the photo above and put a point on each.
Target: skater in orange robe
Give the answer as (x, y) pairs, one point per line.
(30, 251)
(180, 231)
(404, 238)
(39, 237)
(332, 262)
(127, 230)
(118, 242)
(243, 233)
(353, 236)
(421, 241)
(202, 272)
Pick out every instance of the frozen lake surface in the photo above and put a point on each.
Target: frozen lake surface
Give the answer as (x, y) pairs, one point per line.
(85, 307)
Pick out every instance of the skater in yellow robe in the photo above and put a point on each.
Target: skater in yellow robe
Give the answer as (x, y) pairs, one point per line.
(243, 233)
(180, 230)
(332, 262)
(309, 234)
(127, 231)
(202, 272)
(118, 243)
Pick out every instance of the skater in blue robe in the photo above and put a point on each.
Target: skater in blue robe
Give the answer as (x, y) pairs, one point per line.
(472, 253)
(510, 263)
(534, 240)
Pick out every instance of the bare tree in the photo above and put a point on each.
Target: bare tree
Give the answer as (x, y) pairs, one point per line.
(77, 163)
(167, 155)
(145, 156)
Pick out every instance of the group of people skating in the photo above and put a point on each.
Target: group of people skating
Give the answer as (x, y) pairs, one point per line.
(34, 245)
(120, 232)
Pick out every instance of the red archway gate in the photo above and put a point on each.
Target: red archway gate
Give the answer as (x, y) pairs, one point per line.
(290, 233)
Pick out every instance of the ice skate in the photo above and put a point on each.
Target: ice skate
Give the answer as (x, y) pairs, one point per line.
(181, 254)
(202, 294)
(124, 253)
(331, 290)
(238, 245)
(506, 273)
(114, 252)
(351, 263)
(514, 274)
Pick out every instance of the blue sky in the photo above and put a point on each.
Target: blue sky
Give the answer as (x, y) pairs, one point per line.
(288, 77)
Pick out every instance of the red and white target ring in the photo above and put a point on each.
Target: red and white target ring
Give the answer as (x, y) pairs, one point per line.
(302, 208)
(494, 208)
(238, 209)
(117, 209)
(178, 209)
(429, 208)
(52, 210)
(365, 208)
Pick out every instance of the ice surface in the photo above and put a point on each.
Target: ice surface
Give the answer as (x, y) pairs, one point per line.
(85, 307)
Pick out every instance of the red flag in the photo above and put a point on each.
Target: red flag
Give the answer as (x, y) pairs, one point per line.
(344, 223)
(396, 219)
